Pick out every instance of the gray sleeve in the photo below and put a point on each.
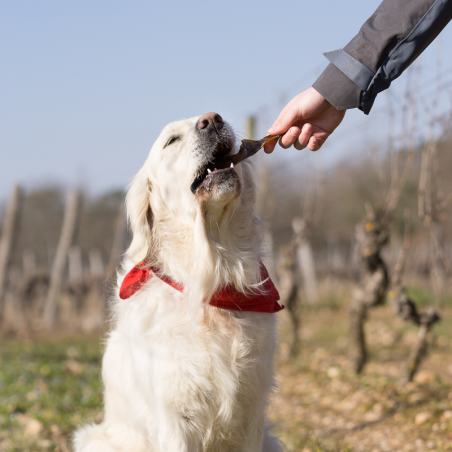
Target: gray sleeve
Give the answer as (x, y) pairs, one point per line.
(388, 42)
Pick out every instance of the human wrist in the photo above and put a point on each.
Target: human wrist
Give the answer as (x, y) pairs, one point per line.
(338, 89)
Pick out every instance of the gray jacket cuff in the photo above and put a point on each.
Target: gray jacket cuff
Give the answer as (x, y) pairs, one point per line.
(388, 42)
(338, 89)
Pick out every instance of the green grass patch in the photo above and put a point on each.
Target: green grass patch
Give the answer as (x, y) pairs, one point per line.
(47, 389)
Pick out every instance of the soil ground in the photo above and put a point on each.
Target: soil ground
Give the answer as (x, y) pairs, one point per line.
(49, 386)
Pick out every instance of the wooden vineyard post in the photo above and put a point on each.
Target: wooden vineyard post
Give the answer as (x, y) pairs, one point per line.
(305, 259)
(118, 240)
(96, 266)
(288, 289)
(250, 127)
(266, 207)
(75, 264)
(7, 240)
(303, 228)
(59, 264)
(28, 262)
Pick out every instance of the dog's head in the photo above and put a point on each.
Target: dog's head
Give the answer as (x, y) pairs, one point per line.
(181, 206)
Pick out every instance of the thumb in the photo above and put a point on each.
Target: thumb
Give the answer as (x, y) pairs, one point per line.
(287, 118)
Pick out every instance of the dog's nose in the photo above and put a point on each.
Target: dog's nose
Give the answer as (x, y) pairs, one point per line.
(210, 120)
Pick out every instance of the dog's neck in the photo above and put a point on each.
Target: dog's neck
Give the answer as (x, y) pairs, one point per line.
(218, 247)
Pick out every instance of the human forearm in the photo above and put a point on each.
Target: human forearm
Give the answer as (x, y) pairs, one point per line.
(388, 42)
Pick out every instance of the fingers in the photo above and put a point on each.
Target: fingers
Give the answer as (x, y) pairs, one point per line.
(298, 139)
(290, 137)
(315, 143)
(303, 139)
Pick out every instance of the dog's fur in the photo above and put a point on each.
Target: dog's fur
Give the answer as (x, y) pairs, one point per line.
(180, 375)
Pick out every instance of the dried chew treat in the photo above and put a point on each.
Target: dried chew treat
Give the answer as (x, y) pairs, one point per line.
(247, 149)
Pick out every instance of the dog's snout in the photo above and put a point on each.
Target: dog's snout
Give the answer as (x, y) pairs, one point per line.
(210, 121)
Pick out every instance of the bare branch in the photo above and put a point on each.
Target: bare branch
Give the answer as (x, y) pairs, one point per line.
(320, 194)
(399, 267)
(420, 348)
(398, 182)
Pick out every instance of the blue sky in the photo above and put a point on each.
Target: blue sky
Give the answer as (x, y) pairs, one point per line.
(87, 85)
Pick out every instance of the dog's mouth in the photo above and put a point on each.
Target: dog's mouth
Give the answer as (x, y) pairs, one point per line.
(210, 172)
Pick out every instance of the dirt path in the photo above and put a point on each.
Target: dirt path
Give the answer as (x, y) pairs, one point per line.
(321, 403)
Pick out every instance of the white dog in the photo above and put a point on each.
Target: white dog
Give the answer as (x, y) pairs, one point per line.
(188, 365)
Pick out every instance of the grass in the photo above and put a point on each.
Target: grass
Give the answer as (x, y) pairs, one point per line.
(47, 388)
(50, 386)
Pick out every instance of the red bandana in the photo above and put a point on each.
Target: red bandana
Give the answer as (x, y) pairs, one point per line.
(227, 298)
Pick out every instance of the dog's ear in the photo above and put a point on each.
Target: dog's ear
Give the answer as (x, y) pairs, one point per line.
(139, 214)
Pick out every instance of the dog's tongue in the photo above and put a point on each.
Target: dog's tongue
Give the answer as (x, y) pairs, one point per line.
(247, 149)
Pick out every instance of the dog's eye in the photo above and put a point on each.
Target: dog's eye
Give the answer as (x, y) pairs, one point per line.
(172, 140)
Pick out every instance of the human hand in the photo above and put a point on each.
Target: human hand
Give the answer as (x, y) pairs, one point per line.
(308, 120)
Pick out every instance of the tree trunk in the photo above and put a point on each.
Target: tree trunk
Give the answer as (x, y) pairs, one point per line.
(294, 312)
(358, 356)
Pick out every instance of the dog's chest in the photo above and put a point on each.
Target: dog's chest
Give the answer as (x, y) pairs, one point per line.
(211, 373)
